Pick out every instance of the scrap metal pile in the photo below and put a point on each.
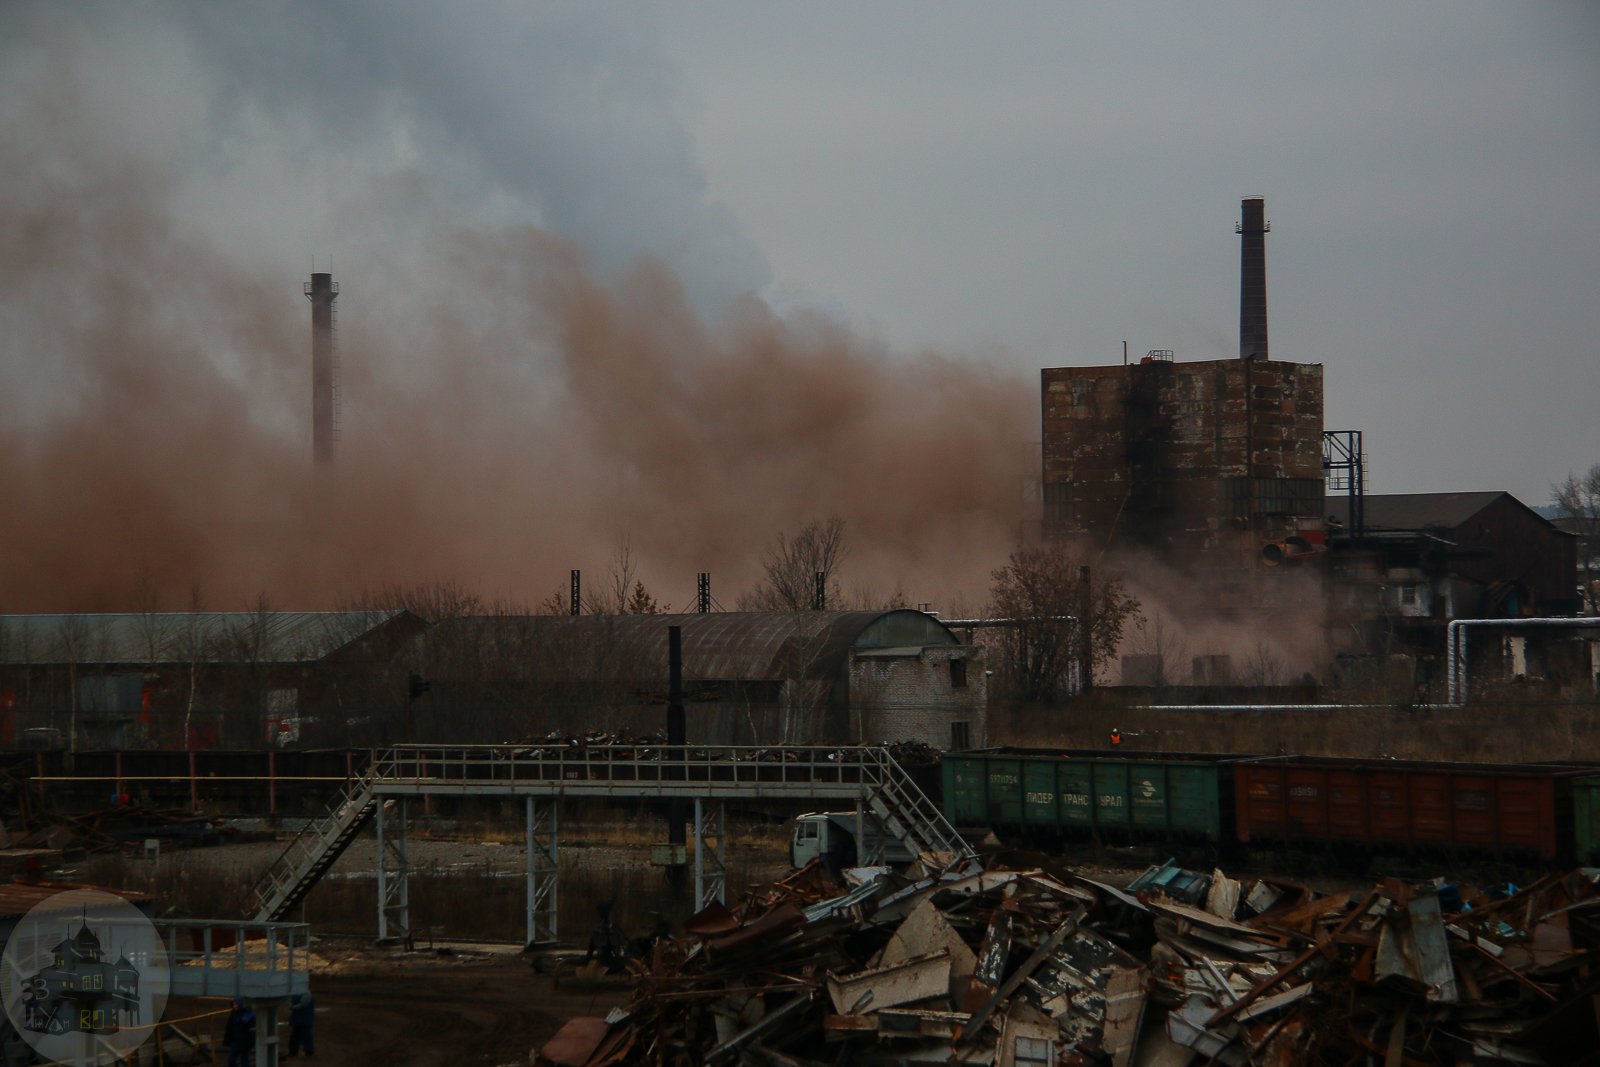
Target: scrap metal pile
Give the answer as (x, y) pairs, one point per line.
(26, 822)
(1014, 960)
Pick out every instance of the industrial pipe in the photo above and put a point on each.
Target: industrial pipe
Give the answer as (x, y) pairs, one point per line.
(978, 624)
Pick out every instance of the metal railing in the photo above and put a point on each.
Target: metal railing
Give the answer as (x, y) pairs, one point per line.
(210, 958)
(599, 770)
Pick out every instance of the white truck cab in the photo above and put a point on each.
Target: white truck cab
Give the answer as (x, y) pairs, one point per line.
(831, 837)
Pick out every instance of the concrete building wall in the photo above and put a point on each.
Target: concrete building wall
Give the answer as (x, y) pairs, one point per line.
(901, 694)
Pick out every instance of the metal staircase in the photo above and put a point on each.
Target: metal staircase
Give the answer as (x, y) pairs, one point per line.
(308, 857)
(906, 812)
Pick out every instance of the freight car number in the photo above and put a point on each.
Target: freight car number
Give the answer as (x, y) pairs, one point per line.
(1303, 792)
(1041, 798)
(1002, 779)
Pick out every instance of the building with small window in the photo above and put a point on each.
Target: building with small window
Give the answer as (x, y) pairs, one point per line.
(809, 677)
(1421, 560)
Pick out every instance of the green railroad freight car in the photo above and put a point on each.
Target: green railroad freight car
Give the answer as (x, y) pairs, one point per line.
(1586, 819)
(1093, 793)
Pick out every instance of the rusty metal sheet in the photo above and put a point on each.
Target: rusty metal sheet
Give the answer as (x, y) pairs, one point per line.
(925, 930)
(1186, 1025)
(783, 917)
(575, 1042)
(905, 1023)
(1204, 918)
(1267, 1005)
(907, 982)
(1433, 949)
(1125, 1001)
(711, 921)
(994, 952)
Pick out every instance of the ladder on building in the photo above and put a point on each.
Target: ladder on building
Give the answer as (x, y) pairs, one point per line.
(312, 851)
(869, 775)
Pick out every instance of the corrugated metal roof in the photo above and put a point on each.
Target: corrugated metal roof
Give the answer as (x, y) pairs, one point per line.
(727, 645)
(181, 637)
(1413, 511)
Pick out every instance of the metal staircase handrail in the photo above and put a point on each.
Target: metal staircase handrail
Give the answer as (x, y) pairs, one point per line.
(310, 848)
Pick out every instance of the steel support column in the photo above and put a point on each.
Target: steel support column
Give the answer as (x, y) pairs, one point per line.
(266, 1009)
(542, 866)
(394, 884)
(710, 870)
(868, 854)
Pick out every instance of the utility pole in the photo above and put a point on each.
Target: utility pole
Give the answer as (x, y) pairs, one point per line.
(1085, 637)
(676, 736)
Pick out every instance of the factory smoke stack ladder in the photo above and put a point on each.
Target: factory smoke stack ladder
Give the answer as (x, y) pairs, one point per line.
(1253, 229)
(323, 291)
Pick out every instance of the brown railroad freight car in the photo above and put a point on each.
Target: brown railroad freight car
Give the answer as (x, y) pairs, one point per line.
(1407, 805)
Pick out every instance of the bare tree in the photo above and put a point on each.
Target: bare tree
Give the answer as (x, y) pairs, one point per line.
(1042, 590)
(1155, 636)
(1263, 666)
(791, 565)
(1579, 500)
(433, 601)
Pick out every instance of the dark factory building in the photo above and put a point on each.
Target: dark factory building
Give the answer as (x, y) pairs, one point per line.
(1214, 465)
(1442, 556)
(810, 677)
(193, 679)
(1209, 461)
(1422, 560)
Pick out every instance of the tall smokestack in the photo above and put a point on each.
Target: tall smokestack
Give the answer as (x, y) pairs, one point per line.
(322, 291)
(1253, 230)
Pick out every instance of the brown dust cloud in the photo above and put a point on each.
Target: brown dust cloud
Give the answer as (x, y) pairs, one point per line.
(512, 418)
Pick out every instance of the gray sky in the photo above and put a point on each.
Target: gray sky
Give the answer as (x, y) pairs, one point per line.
(1030, 183)
(1047, 180)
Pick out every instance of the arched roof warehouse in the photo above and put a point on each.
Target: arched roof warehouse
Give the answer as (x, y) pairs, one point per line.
(746, 645)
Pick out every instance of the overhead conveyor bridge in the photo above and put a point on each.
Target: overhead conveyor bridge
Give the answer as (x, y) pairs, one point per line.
(707, 775)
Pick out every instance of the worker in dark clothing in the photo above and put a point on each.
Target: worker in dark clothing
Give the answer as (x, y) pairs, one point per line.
(240, 1034)
(302, 1013)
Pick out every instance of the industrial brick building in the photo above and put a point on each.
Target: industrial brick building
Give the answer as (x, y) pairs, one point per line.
(810, 677)
(1214, 465)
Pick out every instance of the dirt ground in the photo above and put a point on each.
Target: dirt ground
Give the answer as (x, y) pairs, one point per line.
(417, 1009)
